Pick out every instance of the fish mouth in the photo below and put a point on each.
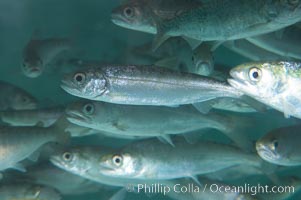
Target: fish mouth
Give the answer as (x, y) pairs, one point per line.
(237, 81)
(105, 169)
(117, 19)
(56, 161)
(69, 87)
(77, 117)
(33, 72)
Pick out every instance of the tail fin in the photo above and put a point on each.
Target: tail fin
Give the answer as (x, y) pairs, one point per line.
(235, 127)
(60, 129)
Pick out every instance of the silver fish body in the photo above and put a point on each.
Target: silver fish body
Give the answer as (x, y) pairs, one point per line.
(141, 14)
(151, 159)
(144, 85)
(18, 143)
(151, 121)
(34, 117)
(84, 161)
(15, 98)
(284, 43)
(224, 19)
(251, 51)
(51, 176)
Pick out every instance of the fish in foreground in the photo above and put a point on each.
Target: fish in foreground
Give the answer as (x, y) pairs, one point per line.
(155, 121)
(84, 161)
(19, 143)
(151, 159)
(144, 85)
(15, 98)
(37, 54)
(33, 117)
(27, 191)
(281, 146)
(275, 84)
(224, 20)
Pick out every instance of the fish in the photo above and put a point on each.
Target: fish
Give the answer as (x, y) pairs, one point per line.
(27, 191)
(144, 85)
(175, 54)
(249, 50)
(32, 117)
(272, 83)
(140, 14)
(281, 146)
(39, 53)
(150, 159)
(15, 98)
(222, 20)
(155, 121)
(203, 59)
(284, 42)
(48, 175)
(84, 161)
(19, 143)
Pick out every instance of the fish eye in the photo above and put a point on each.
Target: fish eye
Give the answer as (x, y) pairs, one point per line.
(129, 12)
(24, 99)
(275, 144)
(192, 58)
(80, 77)
(24, 65)
(255, 74)
(117, 160)
(67, 156)
(88, 109)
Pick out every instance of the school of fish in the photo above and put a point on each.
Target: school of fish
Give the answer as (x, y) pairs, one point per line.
(168, 112)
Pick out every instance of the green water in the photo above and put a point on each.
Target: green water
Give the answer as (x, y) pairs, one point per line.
(87, 23)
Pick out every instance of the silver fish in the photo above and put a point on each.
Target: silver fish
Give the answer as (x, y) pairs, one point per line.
(51, 176)
(224, 20)
(203, 59)
(272, 83)
(15, 98)
(37, 54)
(154, 121)
(18, 143)
(285, 43)
(34, 117)
(140, 14)
(281, 146)
(27, 191)
(84, 161)
(251, 51)
(144, 85)
(151, 159)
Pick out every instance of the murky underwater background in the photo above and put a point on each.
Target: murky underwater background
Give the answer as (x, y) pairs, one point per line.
(87, 23)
